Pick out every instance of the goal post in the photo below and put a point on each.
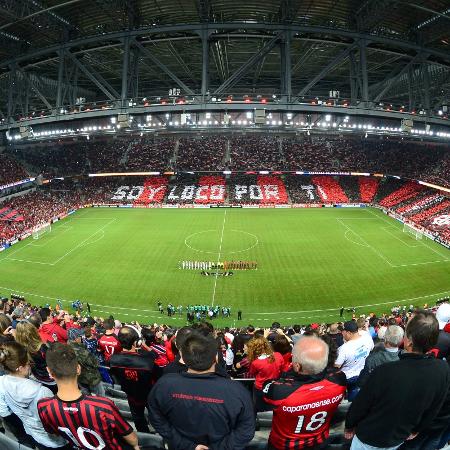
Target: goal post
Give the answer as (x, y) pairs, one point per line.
(412, 230)
(37, 233)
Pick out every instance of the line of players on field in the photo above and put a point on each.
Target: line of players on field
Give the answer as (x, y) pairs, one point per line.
(226, 265)
(196, 311)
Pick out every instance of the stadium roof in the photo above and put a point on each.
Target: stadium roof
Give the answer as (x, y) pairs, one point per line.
(54, 51)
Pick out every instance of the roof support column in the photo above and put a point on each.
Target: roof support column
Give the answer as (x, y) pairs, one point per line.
(286, 67)
(60, 81)
(426, 87)
(205, 63)
(125, 64)
(363, 68)
(12, 80)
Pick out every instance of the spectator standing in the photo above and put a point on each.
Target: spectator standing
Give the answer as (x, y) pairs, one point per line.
(382, 355)
(403, 398)
(199, 409)
(20, 395)
(108, 343)
(352, 354)
(87, 422)
(265, 365)
(294, 425)
(335, 333)
(89, 378)
(178, 366)
(28, 336)
(442, 348)
(50, 329)
(136, 372)
(297, 333)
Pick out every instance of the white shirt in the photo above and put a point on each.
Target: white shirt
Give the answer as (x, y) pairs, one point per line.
(352, 356)
(366, 335)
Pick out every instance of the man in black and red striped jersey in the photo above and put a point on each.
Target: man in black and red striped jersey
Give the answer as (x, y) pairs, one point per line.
(305, 400)
(108, 344)
(87, 422)
(136, 372)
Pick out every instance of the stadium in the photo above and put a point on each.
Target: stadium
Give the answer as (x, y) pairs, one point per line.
(269, 173)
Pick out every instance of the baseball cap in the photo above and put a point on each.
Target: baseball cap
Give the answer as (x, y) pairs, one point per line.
(443, 315)
(75, 333)
(351, 326)
(314, 326)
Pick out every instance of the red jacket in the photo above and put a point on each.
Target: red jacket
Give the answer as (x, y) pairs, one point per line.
(263, 370)
(52, 332)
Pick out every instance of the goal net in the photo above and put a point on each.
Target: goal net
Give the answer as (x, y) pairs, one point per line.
(412, 230)
(39, 232)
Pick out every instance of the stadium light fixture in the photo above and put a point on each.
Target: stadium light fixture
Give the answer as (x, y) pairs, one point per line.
(328, 118)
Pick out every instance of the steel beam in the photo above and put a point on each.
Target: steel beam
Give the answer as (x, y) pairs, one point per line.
(236, 76)
(125, 67)
(205, 63)
(59, 88)
(164, 68)
(36, 89)
(391, 81)
(426, 86)
(110, 93)
(330, 66)
(213, 27)
(237, 107)
(362, 44)
(286, 67)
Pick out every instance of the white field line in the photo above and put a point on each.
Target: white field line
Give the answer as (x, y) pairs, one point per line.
(367, 244)
(396, 237)
(82, 242)
(422, 241)
(351, 240)
(65, 229)
(218, 258)
(154, 312)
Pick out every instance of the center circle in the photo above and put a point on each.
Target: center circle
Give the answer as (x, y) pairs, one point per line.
(196, 241)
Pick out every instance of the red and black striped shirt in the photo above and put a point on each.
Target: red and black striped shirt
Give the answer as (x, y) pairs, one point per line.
(303, 408)
(87, 423)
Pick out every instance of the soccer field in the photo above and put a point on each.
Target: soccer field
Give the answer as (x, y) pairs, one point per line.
(310, 263)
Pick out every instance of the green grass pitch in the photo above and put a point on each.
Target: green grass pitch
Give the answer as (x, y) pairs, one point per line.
(310, 263)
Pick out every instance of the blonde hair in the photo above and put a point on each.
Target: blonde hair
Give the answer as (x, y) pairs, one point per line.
(27, 335)
(12, 356)
(259, 346)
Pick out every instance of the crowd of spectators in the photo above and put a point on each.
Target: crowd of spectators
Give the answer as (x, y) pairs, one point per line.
(147, 155)
(201, 154)
(419, 160)
(10, 170)
(255, 153)
(201, 388)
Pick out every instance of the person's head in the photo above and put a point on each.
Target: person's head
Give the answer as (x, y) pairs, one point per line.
(310, 355)
(422, 332)
(297, 329)
(334, 328)
(14, 359)
(62, 363)
(393, 336)
(45, 314)
(350, 330)
(27, 335)
(276, 325)
(128, 337)
(362, 323)
(258, 346)
(281, 344)
(35, 319)
(108, 324)
(5, 322)
(199, 352)
(443, 315)
(181, 336)
(250, 329)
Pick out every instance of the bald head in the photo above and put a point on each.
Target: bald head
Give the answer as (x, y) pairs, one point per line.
(310, 355)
